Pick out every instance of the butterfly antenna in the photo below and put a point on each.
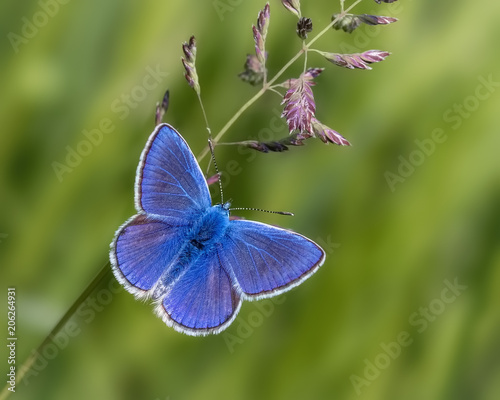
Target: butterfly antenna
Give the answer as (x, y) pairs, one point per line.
(211, 146)
(216, 167)
(260, 209)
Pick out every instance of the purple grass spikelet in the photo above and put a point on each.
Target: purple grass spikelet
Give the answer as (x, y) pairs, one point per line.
(253, 70)
(161, 108)
(312, 73)
(260, 33)
(263, 20)
(279, 146)
(328, 135)
(349, 22)
(188, 61)
(299, 104)
(376, 19)
(309, 75)
(255, 65)
(259, 45)
(292, 6)
(356, 60)
(304, 26)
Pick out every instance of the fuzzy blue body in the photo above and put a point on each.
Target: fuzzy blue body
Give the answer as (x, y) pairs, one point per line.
(201, 238)
(208, 230)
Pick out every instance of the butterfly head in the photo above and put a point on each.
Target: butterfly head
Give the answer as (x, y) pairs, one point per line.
(223, 208)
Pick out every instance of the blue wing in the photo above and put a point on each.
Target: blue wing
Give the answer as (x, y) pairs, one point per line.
(202, 300)
(266, 260)
(143, 251)
(169, 181)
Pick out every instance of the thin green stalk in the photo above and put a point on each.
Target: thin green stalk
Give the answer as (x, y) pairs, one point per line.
(26, 366)
(232, 120)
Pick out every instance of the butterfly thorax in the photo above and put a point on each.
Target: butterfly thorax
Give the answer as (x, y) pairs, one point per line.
(210, 227)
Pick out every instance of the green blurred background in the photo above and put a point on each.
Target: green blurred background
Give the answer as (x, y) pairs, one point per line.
(391, 247)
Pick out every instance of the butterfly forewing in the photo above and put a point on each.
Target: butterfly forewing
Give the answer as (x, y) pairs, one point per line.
(169, 180)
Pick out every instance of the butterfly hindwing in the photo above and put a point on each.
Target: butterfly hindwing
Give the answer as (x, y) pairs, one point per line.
(169, 181)
(267, 260)
(202, 300)
(143, 250)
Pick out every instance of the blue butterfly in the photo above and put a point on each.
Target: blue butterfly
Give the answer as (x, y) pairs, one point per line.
(188, 257)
